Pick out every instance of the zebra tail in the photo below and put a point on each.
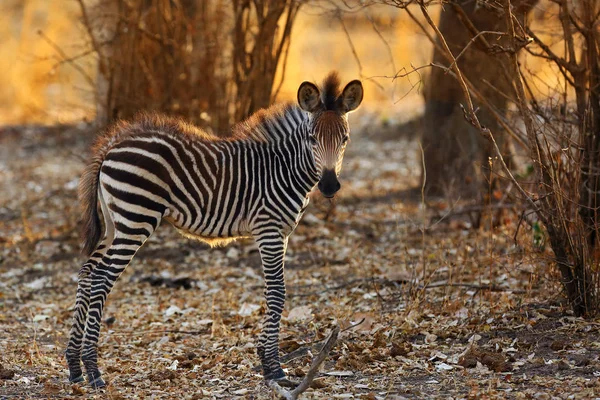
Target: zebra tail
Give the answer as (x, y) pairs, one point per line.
(91, 228)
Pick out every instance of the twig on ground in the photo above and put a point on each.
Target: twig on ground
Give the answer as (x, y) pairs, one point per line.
(186, 332)
(383, 282)
(314, 346)
(490, 288)
(312, 371)
(476, 208)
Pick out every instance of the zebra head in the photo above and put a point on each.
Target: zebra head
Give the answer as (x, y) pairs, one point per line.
(328, 130)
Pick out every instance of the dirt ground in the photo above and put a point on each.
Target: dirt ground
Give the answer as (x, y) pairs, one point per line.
(429, 306)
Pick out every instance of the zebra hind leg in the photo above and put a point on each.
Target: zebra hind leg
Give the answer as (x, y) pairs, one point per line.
(82, 302)
(132, 227)
(73, 352)
(103, 278)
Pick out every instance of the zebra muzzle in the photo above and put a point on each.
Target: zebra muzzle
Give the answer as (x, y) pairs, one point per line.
(329, 184)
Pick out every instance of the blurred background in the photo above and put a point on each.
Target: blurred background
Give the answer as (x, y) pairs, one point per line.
(51, 69)
(58, 66)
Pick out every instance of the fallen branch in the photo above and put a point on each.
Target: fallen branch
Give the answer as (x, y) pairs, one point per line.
(312, 371)
(477, 208)
(490, 288)
(398, 282)
(314, 346)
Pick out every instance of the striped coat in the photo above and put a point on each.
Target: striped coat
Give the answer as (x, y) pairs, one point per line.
(253, 183)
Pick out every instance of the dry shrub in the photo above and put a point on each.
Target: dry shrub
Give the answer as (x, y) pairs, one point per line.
(211, 62)
(564, 146)
(562, 137)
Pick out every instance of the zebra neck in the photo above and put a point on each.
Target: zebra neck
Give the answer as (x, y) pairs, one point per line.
(295, 167)
(272, 125)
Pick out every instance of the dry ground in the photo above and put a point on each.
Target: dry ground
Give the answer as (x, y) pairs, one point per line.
(445, 310)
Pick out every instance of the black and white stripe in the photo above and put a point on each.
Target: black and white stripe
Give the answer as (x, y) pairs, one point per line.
(252, 184)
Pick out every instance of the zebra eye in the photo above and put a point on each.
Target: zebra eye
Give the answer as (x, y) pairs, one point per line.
(313, 140)
(345, 139)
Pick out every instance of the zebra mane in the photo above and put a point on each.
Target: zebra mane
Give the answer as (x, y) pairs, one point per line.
(269, 125)
(330, 91)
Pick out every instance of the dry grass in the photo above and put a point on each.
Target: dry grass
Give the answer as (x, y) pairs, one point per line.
(356, 266)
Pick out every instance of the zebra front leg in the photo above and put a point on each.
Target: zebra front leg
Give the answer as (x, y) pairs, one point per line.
(272, 248)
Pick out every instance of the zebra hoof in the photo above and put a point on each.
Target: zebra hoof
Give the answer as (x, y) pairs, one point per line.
(286, 383)
(276, 375)
(97, 383)
(76, 379)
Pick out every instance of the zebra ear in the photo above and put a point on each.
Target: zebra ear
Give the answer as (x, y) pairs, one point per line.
(309, 97)
(352, 96)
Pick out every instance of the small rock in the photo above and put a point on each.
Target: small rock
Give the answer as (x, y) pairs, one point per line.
(40, 317)
(163, 375)
(469, 359)
(172, 310)
(247, 309)
(77, 390)
(6, 373)
(559, 345)
(299, 313)
(38, 283)
(318, 384)
(233, 253)
(443, 367)
(494, 361)
(562, 365)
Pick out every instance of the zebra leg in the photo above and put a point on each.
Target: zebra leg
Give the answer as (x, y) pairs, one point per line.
(103, 278)
(82, 302)
(272, 247)
(73, 352)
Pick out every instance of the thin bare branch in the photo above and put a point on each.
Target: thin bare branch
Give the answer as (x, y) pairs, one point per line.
(312, 371)
(470, 114)
(473, 39)
(92, 36)
(64, 58)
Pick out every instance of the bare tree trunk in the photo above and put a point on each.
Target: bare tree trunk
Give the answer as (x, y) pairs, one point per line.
(589, 191)
(212, 62)
(456, 153)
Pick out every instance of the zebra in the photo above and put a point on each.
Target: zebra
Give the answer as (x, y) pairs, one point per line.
(254, 183)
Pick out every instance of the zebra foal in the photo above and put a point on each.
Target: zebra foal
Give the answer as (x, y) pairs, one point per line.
(254, 183)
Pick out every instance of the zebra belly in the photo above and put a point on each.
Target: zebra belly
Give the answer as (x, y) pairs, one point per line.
(211, 240)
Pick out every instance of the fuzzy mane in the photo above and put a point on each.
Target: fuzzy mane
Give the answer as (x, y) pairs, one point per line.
(265, 125)
(330, 91)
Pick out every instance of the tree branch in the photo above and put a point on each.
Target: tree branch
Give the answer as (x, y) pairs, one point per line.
(469, 110)
(312, 371)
